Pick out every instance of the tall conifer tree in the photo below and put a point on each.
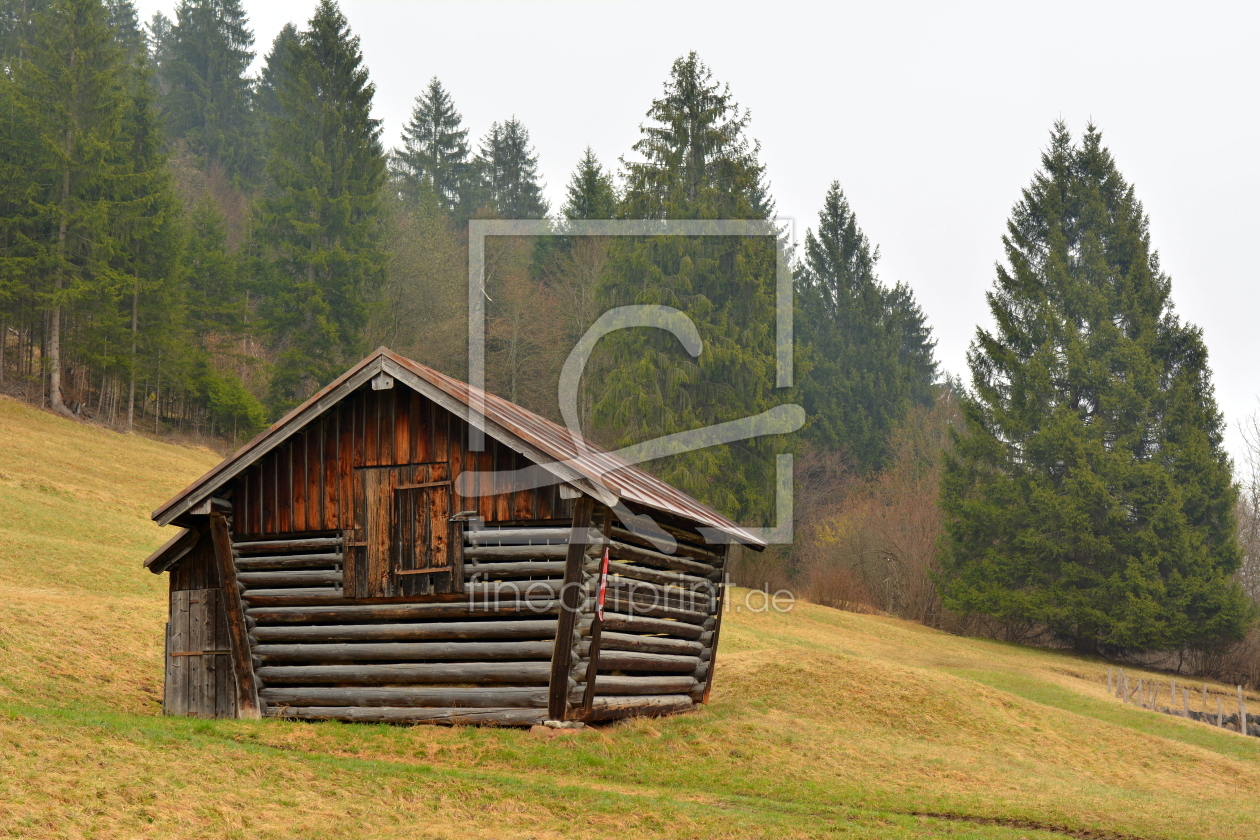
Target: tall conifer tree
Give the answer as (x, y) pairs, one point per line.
(870, 353)
(508, 168)
(591, 193)
(433, 163)
(323, 224)
(208, 94)
(1091, 493)
(695, 162)
(72, 99)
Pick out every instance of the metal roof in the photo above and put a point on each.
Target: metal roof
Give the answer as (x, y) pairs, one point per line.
(568, 456)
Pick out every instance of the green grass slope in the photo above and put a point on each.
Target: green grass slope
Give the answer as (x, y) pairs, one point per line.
(823, 723)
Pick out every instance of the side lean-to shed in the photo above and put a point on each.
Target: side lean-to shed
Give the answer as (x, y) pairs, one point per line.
(404, 547)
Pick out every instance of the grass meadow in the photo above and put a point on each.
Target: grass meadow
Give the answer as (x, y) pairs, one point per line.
(822, 723)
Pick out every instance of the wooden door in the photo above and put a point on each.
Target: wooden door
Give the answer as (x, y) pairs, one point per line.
(405, 531)
(422, 545)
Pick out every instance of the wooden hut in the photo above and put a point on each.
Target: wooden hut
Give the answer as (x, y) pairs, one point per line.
(404, 547)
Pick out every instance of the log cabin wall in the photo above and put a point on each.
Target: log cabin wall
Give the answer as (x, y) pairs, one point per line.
(345, 470)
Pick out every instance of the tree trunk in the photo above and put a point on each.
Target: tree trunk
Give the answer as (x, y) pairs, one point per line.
(131, 380)
(54, 330)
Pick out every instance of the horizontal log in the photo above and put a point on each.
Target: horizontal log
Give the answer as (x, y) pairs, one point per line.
(285, 545)
(441, 696)
(527, 536)
(404, 651)
(502, 717)
(512, 590)
(702, 672)
(521, 552)
(651, 575)
(607, 684)
(652, 593)
(290, 561)
(644, 644)
(477, 673)
(545, 629)
(281, 596)
(258, 580)
(625, 551)
(643, 624)
(684, 549)
(504, 571)
(611, 708)
(399, 612)
(638, 607)
(625, 660)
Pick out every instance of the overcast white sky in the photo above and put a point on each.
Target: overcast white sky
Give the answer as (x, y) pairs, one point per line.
(932, 117)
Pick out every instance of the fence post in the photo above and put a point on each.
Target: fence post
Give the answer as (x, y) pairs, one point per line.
(1172, 696)
(1124, 689)
(1242, 713)
(1205, 709)
(1185, 697)
(1120, 685)
(1220, 717)
(1109, 679)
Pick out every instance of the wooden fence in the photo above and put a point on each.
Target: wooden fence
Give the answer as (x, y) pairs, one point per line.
(1149, 694)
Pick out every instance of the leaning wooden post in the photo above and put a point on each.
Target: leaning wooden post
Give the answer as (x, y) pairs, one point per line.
(1124, 689)
(1185, 701)
(571, 595)
(597, 625)
(1109, 679)
(1172, 696)
(1205, 709)
(1242, 713)
(247, 705)
(719, 608)
(1220, 715)
(1120, 684)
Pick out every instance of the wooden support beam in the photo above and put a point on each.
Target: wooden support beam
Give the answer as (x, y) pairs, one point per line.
(247, 705)
(571, 596)
(596, 630)
(719, 607)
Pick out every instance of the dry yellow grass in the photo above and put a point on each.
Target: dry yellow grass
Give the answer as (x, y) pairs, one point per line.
(823, 723)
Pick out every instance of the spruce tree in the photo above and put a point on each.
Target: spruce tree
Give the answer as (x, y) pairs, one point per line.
(207, 97)
(1091, 494)
(591, 192)
(695, 162)
(433, 164)
(148, 225)
(71, 97)
(508, 170)
(275, 63)
(869, 351)
(322, 223)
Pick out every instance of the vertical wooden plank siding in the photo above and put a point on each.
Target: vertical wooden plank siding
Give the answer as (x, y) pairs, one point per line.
(297, 455)
(175, 701)
(570, 600)
(201, 687)
(242, 665)
(224, 684)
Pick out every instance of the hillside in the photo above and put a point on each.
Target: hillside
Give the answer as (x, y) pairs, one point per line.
(823, 723)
